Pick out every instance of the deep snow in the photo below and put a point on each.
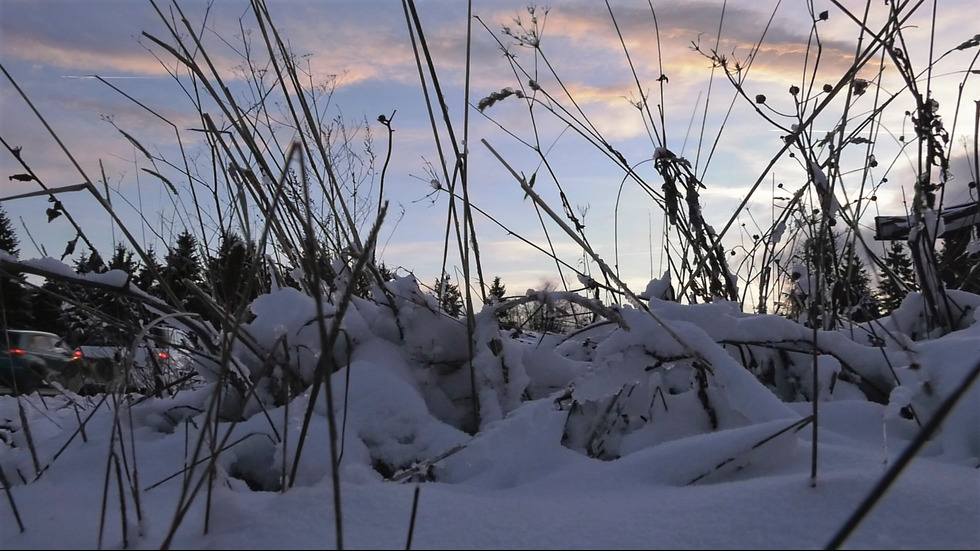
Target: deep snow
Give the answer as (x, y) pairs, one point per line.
(680, 426)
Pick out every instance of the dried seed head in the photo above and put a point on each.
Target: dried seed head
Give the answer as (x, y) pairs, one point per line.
(859, 86)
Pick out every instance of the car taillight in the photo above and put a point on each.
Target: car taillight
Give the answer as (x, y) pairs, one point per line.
(77, 354)
(17, 351)
(163, 355)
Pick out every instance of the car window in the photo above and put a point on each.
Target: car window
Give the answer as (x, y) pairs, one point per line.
(37, 342)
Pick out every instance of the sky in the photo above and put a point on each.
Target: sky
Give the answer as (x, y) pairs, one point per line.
(585, 440)
(694, 457)
(52, 49)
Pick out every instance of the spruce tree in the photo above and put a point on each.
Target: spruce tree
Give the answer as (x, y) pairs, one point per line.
(386, 273)
(80, 302)
(127, 314)
(497, 290)
(546, 316)
(895, 286)
(450, 299)
(367, 283)
(959, 265)
(235, 276)
(145, 278)
(815, 254)
(842, 273)
(47, 307)
(123, 259)
(853, 298)
(496, 295)
(90, 264)
(8, 239)
(14, 296)
(182, 272)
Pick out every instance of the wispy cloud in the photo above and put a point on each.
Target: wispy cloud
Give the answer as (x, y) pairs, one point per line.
(52, 45)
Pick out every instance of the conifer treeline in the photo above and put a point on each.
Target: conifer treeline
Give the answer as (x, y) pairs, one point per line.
(235, 275)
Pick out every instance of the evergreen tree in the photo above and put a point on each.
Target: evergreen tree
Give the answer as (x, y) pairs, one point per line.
(88, 314)
(232, 272)
(90, 264)
(386, 273)
(450, 299)
(497, 290)
(48, 308)
(546, 316)
(893, 288)
(123, 259)
(853, 298)
(126, 314)
(800, 304)
(496, 295)
(369, 281)
(323, 264)
(959, 266)
(72, 309)
(183, 271)
(228, 270)
(145, 278)
(14, 296)
(8, 239)
(842, 273)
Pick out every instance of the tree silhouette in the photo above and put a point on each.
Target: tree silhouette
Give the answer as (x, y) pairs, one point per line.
(235, 276)
(497, 290)
(128, 314)
(496, 295)
(145, 278)
(896, 285)
(959, 261)
(450, 299)
(845, 284)
(83, 311)
(14, 296)
(852, 295)
(183, 273)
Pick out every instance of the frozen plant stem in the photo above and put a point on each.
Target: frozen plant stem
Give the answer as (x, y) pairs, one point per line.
(411, 523)
(925, 433)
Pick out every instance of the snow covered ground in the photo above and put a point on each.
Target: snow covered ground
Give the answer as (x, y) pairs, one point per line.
(664, 426)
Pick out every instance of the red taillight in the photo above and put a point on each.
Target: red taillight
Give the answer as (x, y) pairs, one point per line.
(17, 351)
(163, 355)
(77, 354)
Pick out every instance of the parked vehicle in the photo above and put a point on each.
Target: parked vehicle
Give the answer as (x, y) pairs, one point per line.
(29, 359)
(107, 367)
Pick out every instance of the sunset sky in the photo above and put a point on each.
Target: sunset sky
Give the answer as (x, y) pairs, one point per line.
(52, 48)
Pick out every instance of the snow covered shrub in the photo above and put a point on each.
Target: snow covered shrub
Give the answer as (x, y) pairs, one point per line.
(643, 386)
(935, 369)
(646, 386)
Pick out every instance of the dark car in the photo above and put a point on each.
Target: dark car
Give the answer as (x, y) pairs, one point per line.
(29, 359)
(105, 366)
